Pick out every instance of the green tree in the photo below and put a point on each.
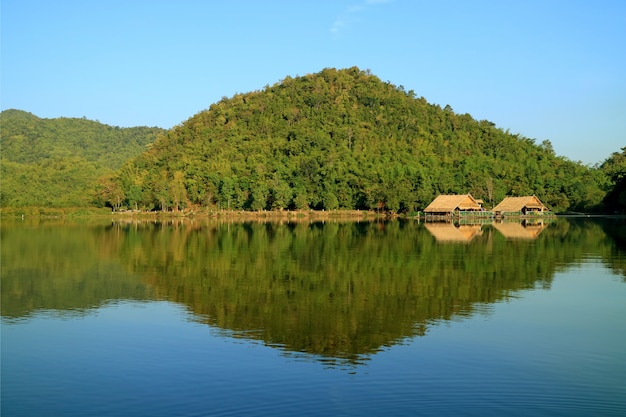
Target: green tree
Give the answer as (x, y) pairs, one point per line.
(109, 193)
(614, 169)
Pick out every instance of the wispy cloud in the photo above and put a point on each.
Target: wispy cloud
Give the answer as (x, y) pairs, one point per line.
(338, 24)
(349, 15)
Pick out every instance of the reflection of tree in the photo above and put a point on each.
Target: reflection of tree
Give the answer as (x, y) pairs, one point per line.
(615, 255)
(340, 290)
(55, 266)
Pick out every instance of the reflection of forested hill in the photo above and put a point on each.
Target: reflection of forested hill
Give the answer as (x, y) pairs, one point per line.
(340, 290)
(61, 267)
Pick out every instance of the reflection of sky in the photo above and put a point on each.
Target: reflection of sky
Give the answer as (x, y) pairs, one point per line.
(580, 318)
(566, 344)
(545, 351)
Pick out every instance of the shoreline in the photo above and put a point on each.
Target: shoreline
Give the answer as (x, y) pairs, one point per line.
(17, 213)
(282, 215)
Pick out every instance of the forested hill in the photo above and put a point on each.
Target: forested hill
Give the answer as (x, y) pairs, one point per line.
(57, 162)
(345, 139)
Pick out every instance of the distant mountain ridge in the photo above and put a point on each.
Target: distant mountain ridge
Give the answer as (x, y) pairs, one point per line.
(56, 162)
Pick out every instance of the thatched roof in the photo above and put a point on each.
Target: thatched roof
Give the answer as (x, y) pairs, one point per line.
(516, 204)
(518, 231)
(447, 232)
(450, 203)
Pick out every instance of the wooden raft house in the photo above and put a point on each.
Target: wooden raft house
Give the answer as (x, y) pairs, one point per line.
(447, 207)
(520, 206)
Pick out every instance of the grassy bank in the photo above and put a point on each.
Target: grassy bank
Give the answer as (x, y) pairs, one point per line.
(52, 212)
(279, 215)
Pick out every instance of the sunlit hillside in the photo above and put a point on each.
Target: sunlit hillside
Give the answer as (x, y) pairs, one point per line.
(344, 139)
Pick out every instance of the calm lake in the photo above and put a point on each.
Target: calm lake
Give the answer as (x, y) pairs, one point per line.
(398, 318)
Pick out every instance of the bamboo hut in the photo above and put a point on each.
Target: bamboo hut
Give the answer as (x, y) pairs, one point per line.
(520, 206)
(445, 206)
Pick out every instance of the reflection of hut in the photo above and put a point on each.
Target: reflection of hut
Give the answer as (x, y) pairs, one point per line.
(520, 206)
(516, 231)
(448, 232)
(449, 205)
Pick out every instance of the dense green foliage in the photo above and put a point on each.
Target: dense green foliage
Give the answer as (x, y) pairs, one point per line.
(614, 169)
(338, 139)
(345, 139)
(57, 162)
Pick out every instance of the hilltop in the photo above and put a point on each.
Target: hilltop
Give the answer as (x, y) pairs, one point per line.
(343, 139)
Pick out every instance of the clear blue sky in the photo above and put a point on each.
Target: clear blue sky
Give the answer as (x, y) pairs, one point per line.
(546, 69)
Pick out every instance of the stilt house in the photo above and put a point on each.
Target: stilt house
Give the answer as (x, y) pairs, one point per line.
(448, 205)
(520, 206)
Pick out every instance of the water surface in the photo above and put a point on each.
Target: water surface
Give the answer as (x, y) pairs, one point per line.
(378, 318)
